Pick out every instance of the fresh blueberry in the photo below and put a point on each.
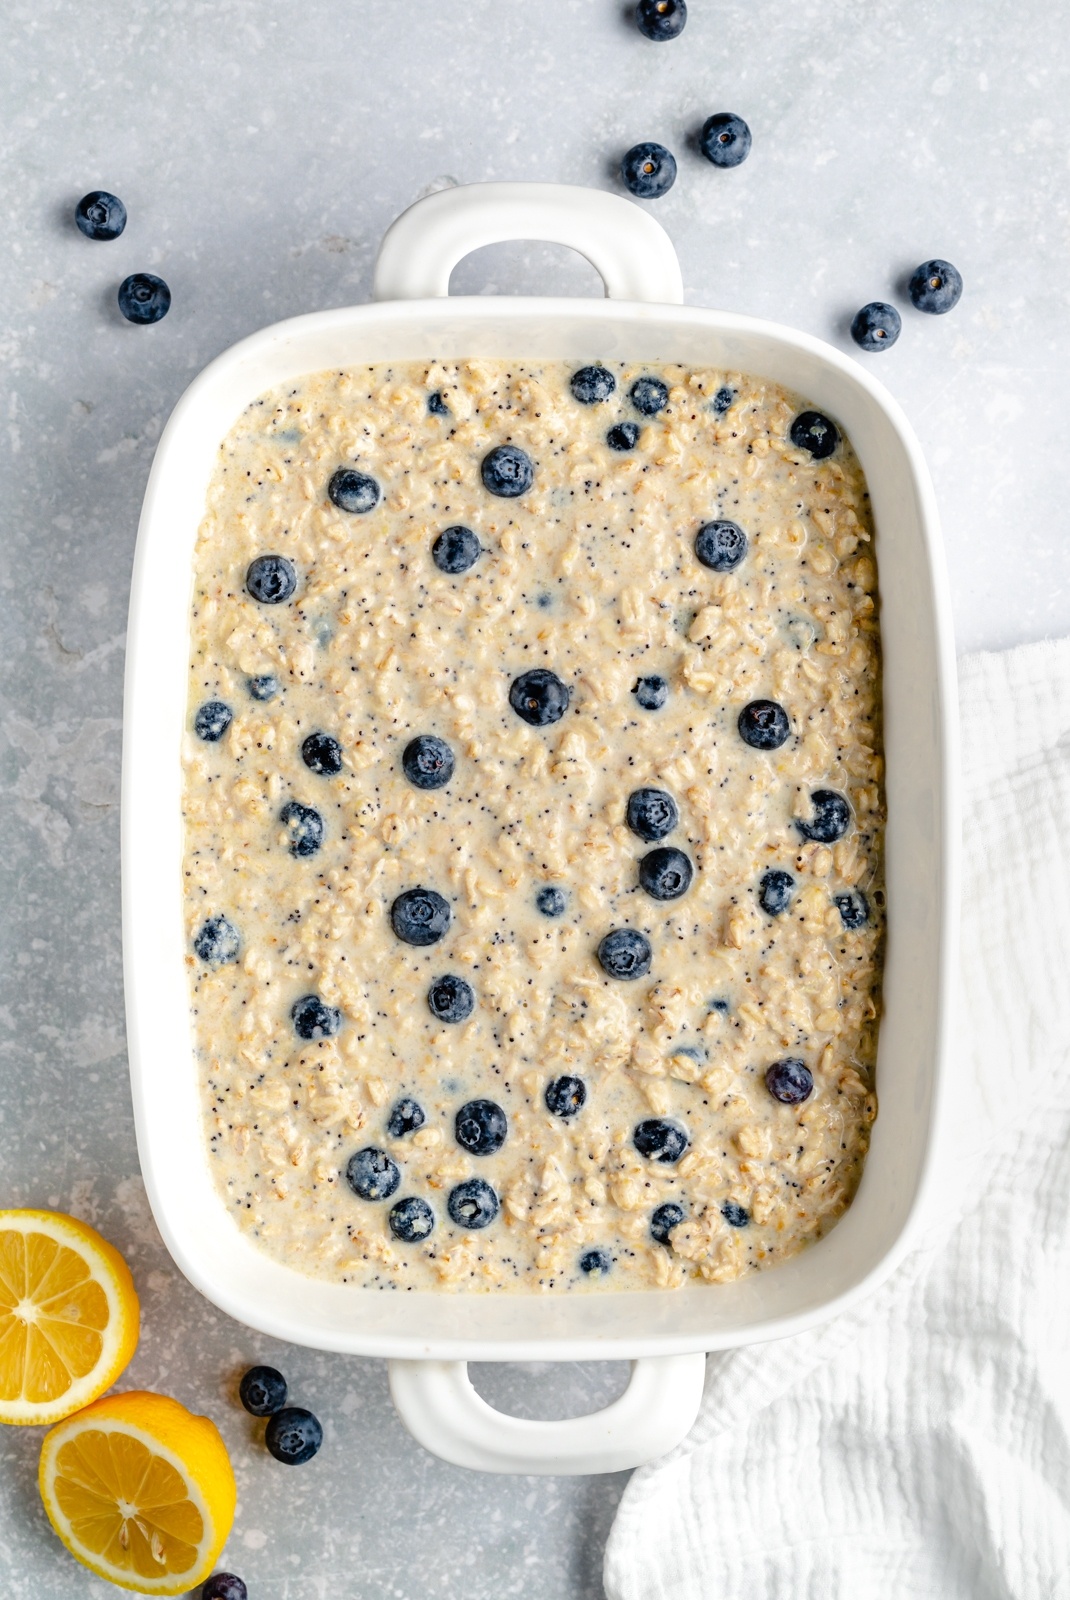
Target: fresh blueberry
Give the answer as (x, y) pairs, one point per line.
(305, 827)
(831, 818)
(649, 396)
(596, 1263)
(144, 298)
(591, 384)
(436, 404)
(262, 1391)
(624, 436)
(539, 697)
(565, 1097)
(420, 916)
(814, 432)
(725, 139)
(648, 170)
(293, 1436)
(664, 1220)
(427, 762)
(853, 908)
(651, 692)
(371, 1174)
(763, 725)
(659, 1140)
(411, 1220)
(550, 901)
(450, 999)
(876, 326)
(480, 1127)
(665, 873)
(735, 1216)
(354, 491)
(313, 1019)
(789, 1081)
(455, 550)
(266, 687)
(472, 1204)
(775, 891)
(212, 721)
(720, 546)
(625, 954)
(406, 1116)
(224, 1586)
(722, 400)
(271, 579)
(651, 814)
(217, 942)
(100, 215)
(935, 286)
(323, 754)
(507, 471)
(661, 19)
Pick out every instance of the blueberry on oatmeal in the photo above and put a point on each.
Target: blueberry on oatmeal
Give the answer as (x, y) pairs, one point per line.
(661, 20)
(406, 1116)
(665, 873)
(814, 432)
(323, 754)
(790, 1081)
(648, 170)
(455, 550)
(472, 1204)
(212, 721)
(411, 1220)
(293, 1436)
(625, 954)
(722, 400)
(451, 999)
(507, 471)
(436, 404)
(480, 1127)
(539, 697)
(735, 1215)
(314, 1019)
(935, 287)
(100, 215)
(262, 1390)
(651, 814)
(664, 1219)
(420, 917)
(764, 725)
(831, 817)
(217, 942)
(623, 436)
(660, 1140)
(566, 1097)
(595, 1263)
(853, 908)
(721, 546)
(591, 385)
(304, 826)
(265, 687)
(550, 901)
(354, 492)
(271, 579)
(427, 762)
(649, 396)
(371, 1174)
(725, 139)
(775, 891)
(651, 692)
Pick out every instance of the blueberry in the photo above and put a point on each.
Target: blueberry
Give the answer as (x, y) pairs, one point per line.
(876, 326)
(649, 396)
(651, 814)
(789, 1081)
(224, 1586)
(775, 891)
(625, 954)
(100, 215)
(212, 721)
(305, 827)
(624, 436)
(217, 942)
(323, 754)
(450, 999)
(144, 298)
(648, 170)
(293, 1435)
(659, 1140)
(763, 725)
(853, 908)
(651, 692)
(720, 546)
(371, 1174)
(406, 1116)
(665, 873)
(735, 1216)
(539, 697)
(725, 139)
(354, 491)
(262, 1391)
(661, 19)
(814, 432)
(420, 916)
(411, 1220)
(436, 404)
(480, 1127)
(313, 1019)
(566, 1097)
(664, 1220)
(722, 400)
(427, 762)
(592, 384)
(472, 1204)
(266, 687)
(455, 550)
(271, 579)
(831, 818)
(550, 901)
(507, 471)
(935, 286)
(596, 1263)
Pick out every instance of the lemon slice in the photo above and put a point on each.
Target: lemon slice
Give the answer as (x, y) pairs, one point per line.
(140, 1490)
(68, 1315)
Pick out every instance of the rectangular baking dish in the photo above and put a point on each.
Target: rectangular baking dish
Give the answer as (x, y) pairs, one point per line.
(429, 1336)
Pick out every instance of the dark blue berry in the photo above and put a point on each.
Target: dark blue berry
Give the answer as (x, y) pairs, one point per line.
(651, 814)
(455, 550)
(217, 942)
(853, 908)
(550, 901)
(831, 818)
(789, 1081)
(661, 19)
(293, 1436)
(763, 725)
(271, 579)
(649, 396)
(651, 692)
(451, 999)
(427, 762)
(266, 687)
(625, 954)
(262, 1391)
(566, 1097)
(722, 400)
(725, 139)
(420, 916)
(596, 1263)
(648, 170)
(411, 1220)
(814, 432)
(876, 326)
(775, 891)
(539, 697)
(665, 873)
(224, 1586)
(624, 436)
(212, 721)
(480, 1127)
(664, 1220)
(507, 471)
(304, 826)
(144, 298)
(472, 1204)
(735, 1216)
(591, 384)
(720, 546)
(323, 754)
(100, 215)
(935, 286)
(313, 1019)
(371, 1174)
(436, 404)
(406, 1116)
(659, 1140)
(354, 491)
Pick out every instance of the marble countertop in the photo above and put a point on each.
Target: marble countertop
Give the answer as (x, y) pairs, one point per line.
(261, 151)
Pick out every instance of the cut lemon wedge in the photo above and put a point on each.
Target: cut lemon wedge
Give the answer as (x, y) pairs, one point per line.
(140, 1490)
(68, 1315)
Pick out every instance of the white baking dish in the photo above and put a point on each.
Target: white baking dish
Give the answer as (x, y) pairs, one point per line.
(428, 1337)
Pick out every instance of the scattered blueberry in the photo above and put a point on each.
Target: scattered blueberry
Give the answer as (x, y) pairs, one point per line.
(775, 891)
(722, 400)
(763, 725)
(853, 908)
(472, 1204)
(814, 432)
(420, 916)
(262, 1391)
(876, 326)
(323, 754)
(651, 692)
(507, 471)
(596, 1263)
(427, 761)
(455, 550)
(591, 384)
(725, 139)
(720, 546)
(224, 1586)
(789, 1081)
(371, 1174)
(144, 298)
(664, 1220)
(550, 901)
(217, 942)
(649, 396)
(411, 1220)
(450, 999)
(313, 1019)
(831, 818)
(935, 286)
(624, 436)
(406, 1116)
(480, 1127)
(212, 721)
(436, 404)
(305, 827)
(625, 954)
(271, 579)
(100, 215)
(565, 1097)
(539, 697)
(736, 1216)
(266, 687)
(648, 170)
(661, 19)
(293, 1436)
(659, 1140)
(354, 491)
(651, 814)
(665, 873)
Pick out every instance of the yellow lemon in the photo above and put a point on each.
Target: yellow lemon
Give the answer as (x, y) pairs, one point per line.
(140, 1490)
(68, 1315)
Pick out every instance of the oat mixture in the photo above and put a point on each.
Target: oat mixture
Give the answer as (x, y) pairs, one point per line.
(533, 814)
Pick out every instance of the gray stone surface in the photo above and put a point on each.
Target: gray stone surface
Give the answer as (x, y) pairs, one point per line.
(261, 151)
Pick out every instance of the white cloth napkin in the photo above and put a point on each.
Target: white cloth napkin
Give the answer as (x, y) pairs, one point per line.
(920, 1446)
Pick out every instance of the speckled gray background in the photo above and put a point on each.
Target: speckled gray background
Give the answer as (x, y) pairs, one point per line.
(261, 150)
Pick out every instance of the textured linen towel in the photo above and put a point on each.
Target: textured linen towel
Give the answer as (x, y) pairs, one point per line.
(920, 1446)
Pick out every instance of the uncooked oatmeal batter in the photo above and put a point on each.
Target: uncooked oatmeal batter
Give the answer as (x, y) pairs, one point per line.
(533, 819)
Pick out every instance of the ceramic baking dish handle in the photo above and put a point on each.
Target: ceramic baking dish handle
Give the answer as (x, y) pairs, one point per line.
(442, 1411)
(632, 253)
